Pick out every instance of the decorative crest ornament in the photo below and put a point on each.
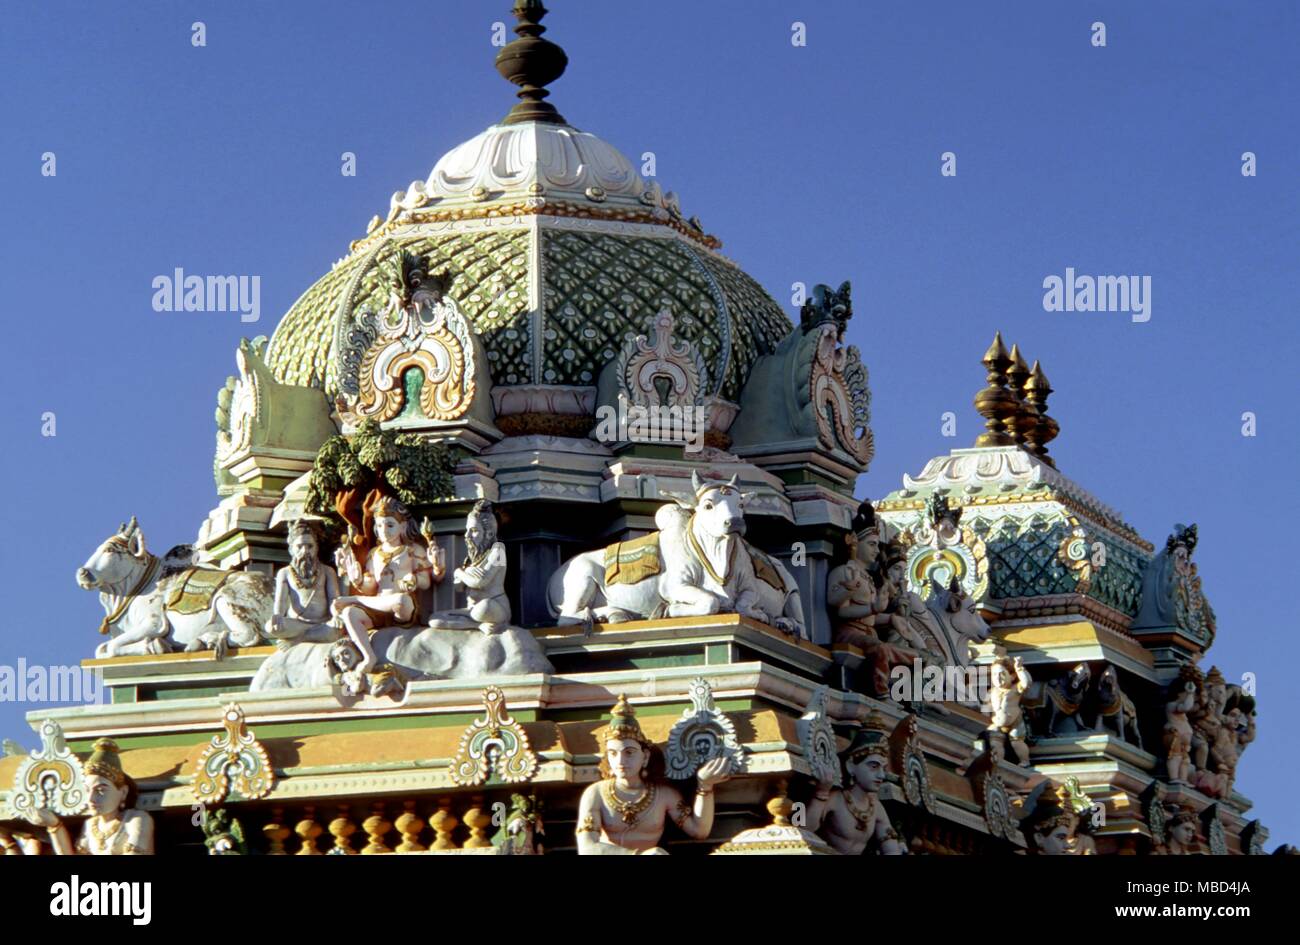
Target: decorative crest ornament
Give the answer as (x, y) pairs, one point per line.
(420, 348)
(660, 371)
(234, 762)
(50, 777)
(1153, 805)
(700, 735)
(838, 391)
(494, 741)
(1214, 834)
(908, 761)
(817, 738)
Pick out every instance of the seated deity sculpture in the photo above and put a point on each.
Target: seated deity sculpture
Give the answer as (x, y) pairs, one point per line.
(858, 605)
(853, 819)
(482, 574)
(115, 827)
(909, 620)
(1008, 681)
(305, 590)
(624, 813)
(384, 591)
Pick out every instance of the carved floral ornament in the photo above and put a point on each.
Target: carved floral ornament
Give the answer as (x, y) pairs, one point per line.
(662, 372)
(495, 741)
(233, 761)
(50, 777)
(420, 328)
(817, 738)
(700, 735)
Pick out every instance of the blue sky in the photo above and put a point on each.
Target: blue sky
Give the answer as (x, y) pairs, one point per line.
(813, 164)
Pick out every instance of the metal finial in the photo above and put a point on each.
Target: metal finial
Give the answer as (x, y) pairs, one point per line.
(1024, 419)
(1045, 429)
(531, 63)
(995, 403)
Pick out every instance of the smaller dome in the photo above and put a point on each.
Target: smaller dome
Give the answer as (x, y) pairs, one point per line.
(528, 160)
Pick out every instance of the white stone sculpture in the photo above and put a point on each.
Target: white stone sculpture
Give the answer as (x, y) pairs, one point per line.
(155, 605)
(697, 564)
(482, 574)
(304, 592)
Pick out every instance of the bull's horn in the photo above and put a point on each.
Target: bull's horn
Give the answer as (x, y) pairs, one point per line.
(696, 484)
(732, 481)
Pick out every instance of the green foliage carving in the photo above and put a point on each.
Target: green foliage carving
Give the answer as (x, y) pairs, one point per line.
(401, 464)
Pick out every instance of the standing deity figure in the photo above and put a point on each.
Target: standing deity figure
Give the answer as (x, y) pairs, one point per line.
(482, 574)
(851, 818)
(624, 813)
(1207, 718)
(1008, 681)
(858, 602)
(305, 590)
(115, 827)
(384, 591)
(1178, 734)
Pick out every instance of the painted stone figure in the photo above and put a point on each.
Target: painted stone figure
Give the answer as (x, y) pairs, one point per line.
(115, 827)
(695, 565)
(852, 819)
(1008, 681)
(305, 591)
(482, 574)
(1181, 834)
(1180, 702)
(625, 812)
(384, 592)
(858, 606)
(1055, 705)
(383, 679)
(1051, 822)
(1115, 710)
(154, 605)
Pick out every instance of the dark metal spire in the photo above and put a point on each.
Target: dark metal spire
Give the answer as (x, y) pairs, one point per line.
(531, 63)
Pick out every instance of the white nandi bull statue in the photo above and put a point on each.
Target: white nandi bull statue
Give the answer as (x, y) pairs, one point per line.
(154, 605)
(697, 564)
(959, 618)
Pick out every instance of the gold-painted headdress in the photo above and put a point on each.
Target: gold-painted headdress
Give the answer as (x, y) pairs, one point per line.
(104, 761)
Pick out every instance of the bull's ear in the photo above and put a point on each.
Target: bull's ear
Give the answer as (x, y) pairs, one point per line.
(696, 484)
(135, 544)
(745, 498)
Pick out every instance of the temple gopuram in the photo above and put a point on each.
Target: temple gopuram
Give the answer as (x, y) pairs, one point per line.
(535, 532)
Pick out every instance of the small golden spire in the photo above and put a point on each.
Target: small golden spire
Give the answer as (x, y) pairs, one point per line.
(995, 403)
(1045, 429)
(1024, 419)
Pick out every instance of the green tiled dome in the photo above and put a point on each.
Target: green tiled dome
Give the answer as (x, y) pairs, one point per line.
(597, 287)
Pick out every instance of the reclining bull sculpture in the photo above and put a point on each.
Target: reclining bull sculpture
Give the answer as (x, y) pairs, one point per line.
(697, 564)
(155, 605)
